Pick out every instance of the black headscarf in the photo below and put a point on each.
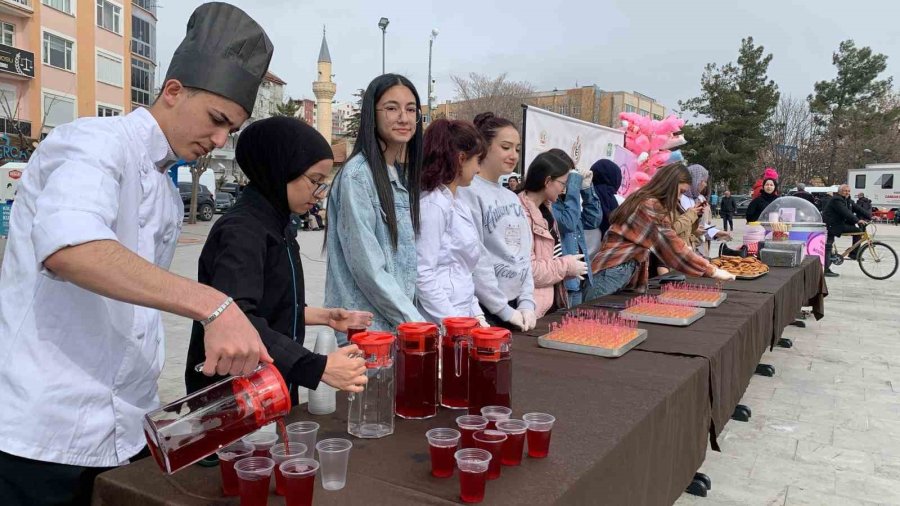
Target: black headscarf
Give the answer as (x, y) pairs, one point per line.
(607, 179)
(275, 151)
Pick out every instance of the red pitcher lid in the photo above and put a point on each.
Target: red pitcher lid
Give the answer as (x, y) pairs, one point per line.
(414, 335)
(376, 346)
(488, 343)
(456, 325)
(268, 394)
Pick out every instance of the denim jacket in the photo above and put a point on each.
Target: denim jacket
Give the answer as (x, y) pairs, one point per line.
(364, 271)
(575, 212)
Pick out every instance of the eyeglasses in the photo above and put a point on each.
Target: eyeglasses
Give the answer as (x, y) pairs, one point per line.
(563, 183)
(394, 113)
(321, 188)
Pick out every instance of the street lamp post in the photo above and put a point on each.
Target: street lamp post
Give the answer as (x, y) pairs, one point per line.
(383, 24)
(434, 34)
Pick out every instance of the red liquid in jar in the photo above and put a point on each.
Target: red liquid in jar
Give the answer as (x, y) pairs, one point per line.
(465, 439)
(189, 448)
(254, 492)
(229, 478)
(442, 460)
(454, 389)
(490, 383)
(512, 449)
(299, 491)
(417, 389)
(538, 443)
(282, 431)
(471, 486)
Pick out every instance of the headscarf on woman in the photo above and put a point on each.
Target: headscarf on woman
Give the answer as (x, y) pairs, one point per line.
(607, 179)
(699, 174)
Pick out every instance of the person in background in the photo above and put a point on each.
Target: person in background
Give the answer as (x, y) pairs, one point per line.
(84, 278)
(252, 255)
(513, 183)
(727, 208)
(767, 196)
(314, 217)
(714, 204)
(576, 212)
(373, 209)
(842, 216)
(504, 283)
(448, 245)
(864, 203)
(607, 180)
(803, 194)
(701, 229)
(643, 223)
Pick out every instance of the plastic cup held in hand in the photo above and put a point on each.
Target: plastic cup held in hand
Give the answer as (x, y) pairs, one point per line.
(228, 456)
(299, 481)
(254, 475)
(540, 427)
(468, 425)
(515, 441)
(442, 445)
(334, 455)
(473, 464)
(303, 432)
(281, 453)
(492, 441)
(494, 414)
(261, 442)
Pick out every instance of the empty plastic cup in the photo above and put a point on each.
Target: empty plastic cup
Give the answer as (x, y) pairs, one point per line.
(468, 425)
(540, 427)
(515, 441)
(228, 456)
(261, 441)
(304, 432)
(494, 414)
(334, 455)
(442, 445)
(281, 453)
(254, 475)
(492, 441)
(473, 464)
(299, 481)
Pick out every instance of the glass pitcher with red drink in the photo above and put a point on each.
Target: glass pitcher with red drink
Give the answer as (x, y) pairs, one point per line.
(371, 412)
(455, 362)
(191, 428)
(490, 368)
(417, 370)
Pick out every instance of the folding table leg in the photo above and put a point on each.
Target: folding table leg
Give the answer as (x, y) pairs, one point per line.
(785, 343)
(765, 370)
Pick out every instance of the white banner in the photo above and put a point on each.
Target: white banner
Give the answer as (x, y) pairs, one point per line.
(584, 142)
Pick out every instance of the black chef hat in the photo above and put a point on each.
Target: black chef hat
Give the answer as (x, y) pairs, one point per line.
(224, 52)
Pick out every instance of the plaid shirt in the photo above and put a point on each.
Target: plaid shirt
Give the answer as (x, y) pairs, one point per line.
(648, 229)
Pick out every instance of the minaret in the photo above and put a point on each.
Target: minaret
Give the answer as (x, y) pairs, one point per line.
(324, 90)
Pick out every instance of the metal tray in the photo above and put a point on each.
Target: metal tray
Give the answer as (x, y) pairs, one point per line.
(677, 322)
(716, 303)
(594, 350)
(757, 276)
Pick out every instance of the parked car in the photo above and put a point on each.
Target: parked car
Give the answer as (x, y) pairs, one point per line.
(224, 201)
(206, 205)
(231, 188)
(742, 207)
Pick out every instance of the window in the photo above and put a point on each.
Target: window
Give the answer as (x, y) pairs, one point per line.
(109, 69)
(60, 5)
(58, 51)
(147, 5)
(143, 38)
(109, 16)
(887, 181)
(630, 108)
(141, 82)
(9, 96)
(104, 111)
(860, 181)
(645, 113)
(8, 34)
(58, 109)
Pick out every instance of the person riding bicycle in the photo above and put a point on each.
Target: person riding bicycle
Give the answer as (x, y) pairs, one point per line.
(842, 216)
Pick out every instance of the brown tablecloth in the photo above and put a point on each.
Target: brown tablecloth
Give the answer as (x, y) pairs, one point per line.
(631, 431)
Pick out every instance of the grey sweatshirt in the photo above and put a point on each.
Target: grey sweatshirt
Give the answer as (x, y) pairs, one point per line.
(504, 268)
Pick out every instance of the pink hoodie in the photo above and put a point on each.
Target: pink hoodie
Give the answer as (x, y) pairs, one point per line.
(548, 271)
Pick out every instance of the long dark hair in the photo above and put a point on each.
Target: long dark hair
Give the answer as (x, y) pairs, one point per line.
(543, 166)
(369, 144)
(663, 186)
(488, 124)
(444, 141)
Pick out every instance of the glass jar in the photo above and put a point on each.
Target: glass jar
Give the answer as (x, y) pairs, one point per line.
(371, 412)
(490, 369)
(417, 370)
(455, 362)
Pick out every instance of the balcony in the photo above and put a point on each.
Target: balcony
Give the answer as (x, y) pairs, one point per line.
(18, 8)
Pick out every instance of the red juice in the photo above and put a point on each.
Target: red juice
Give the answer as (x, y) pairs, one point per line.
(465, 437)
(442, 460)
(490, 384)
(188, 448)
(279, 480)
(282, 430)
(454, 389)
(353, 330)
(471, 486)
(254, 492)
(512, 449)
(229, 478)
(417, 373)
(538, 443)
(299, 490)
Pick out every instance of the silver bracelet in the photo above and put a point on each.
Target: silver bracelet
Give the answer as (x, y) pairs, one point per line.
(217, 313)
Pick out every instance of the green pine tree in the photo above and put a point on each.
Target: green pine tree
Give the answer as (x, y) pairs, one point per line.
(288, 108)
(353, 120)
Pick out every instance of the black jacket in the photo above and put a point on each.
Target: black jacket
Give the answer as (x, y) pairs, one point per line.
(727, 206)
(805, 195)
(757, 206)
(252, 256)
(840, 213)
(865, 204)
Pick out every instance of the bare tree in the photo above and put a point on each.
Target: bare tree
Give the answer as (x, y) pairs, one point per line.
(197, 170)
(10, 112)
(791, 143)
(479, 93)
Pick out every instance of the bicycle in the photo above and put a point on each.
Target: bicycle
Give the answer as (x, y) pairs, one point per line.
(874, 257)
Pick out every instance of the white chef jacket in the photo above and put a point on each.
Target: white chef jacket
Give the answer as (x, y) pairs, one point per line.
(78, 370)
(447, 252)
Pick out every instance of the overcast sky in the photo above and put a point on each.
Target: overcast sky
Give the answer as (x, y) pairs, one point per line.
(655, 47)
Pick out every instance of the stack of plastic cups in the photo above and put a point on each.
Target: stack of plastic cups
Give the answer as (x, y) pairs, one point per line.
(323, 400)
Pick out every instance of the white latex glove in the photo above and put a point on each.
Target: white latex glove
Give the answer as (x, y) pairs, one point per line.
(518, 320)
(530, 319)
(482, 321)
(575, 266)
(588, 178)
(723, 275)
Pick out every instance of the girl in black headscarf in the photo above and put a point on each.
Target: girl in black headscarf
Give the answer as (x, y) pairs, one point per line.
(607, 179)
(768, 194)
(252, 255)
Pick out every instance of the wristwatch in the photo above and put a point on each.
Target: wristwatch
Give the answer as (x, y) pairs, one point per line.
(218, 312)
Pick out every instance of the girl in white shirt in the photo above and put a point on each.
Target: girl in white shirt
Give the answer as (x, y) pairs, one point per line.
(448, 245)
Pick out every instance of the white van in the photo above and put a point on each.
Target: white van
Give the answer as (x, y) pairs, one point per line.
(880, 182)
